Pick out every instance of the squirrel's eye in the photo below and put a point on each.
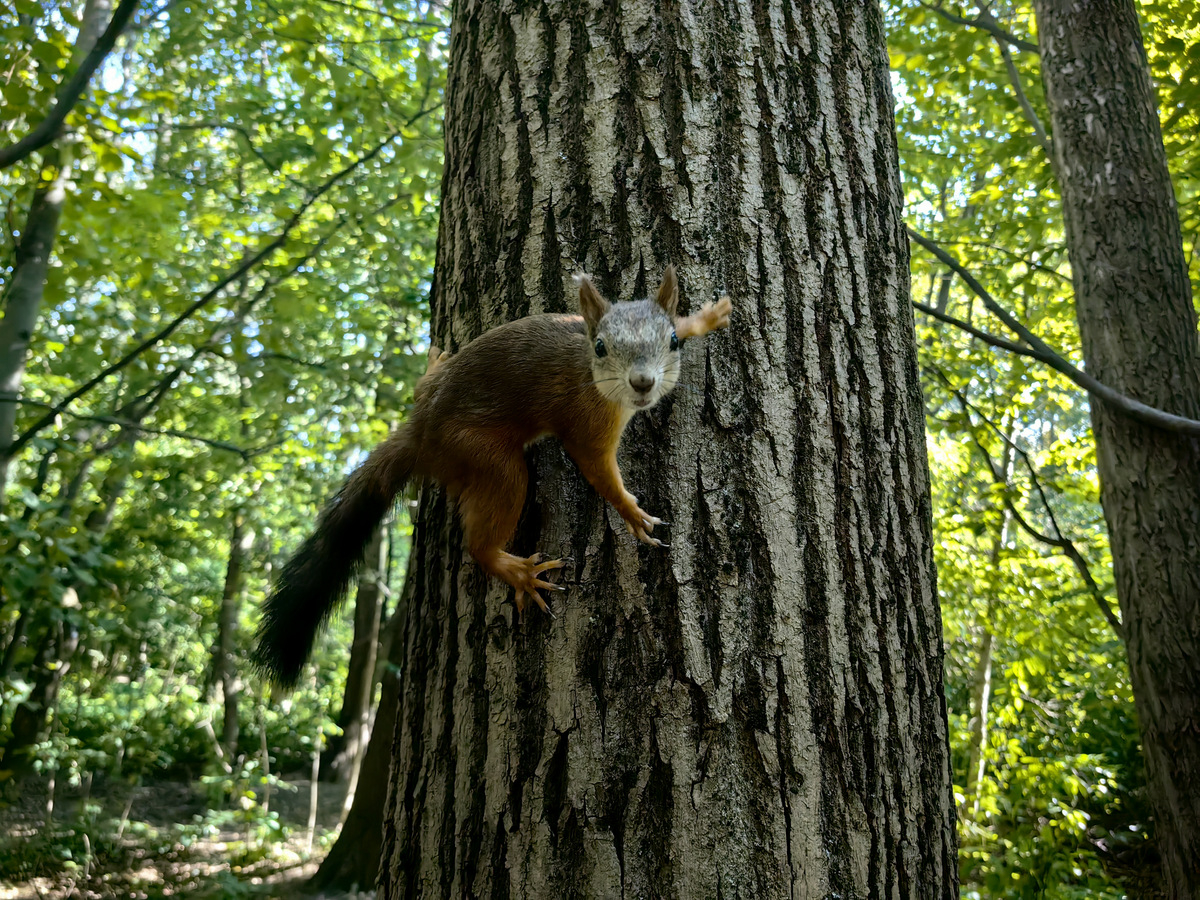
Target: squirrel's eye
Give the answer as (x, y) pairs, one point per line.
(674, 341)
(601, 350)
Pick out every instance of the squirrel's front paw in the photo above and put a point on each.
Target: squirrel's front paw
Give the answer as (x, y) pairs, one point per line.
(716, 315)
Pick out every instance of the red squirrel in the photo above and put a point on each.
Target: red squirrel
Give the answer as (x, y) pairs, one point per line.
(579, 378)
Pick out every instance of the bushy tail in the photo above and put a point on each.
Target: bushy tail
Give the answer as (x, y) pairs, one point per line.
(315, 580)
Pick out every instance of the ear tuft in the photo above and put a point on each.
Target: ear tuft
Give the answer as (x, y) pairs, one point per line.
(591, 304)
(668, 292)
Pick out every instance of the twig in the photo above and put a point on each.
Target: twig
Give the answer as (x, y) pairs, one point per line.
(419, 23)
(1114, 398)
(984, 336)
(1014, 76)
(68, 95)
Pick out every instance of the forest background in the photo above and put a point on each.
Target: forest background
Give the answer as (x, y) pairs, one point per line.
(226, 251)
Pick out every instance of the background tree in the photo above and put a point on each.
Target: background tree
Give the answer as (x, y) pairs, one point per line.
(248, 381)
(978, 147)
(758, 711)
(1138, 324)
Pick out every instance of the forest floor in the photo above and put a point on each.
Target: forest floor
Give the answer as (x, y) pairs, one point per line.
(163, 839)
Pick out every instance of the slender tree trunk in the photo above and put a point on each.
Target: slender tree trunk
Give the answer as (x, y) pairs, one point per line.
(981, 695)
(51, 664)
(346, 751)
(981, 689)
(1138, 325)
(353, 860)
(225, 657)
(758, 710)
(23, 300)
(47, 671)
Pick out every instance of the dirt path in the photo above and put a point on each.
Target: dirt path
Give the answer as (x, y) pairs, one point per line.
(163, 840)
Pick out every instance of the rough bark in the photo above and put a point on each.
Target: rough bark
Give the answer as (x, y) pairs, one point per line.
(1139, 331)
(345, 751)
(757, 711)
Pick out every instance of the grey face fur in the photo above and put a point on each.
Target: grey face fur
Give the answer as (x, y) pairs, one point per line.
(635, 353)
(638, 367)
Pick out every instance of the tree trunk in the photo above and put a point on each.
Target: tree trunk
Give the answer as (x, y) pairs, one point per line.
(62, 632)
(981, 695)
(1138, 325)
(353, 860)
(346, 751)
(225, 656)
(28, 726)
(23, 301)
(758, 710)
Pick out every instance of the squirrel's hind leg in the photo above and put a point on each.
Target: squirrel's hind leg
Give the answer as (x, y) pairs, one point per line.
(490, 507)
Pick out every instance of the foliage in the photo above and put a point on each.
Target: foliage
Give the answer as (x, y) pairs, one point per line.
(1060, 799)
(210, 133)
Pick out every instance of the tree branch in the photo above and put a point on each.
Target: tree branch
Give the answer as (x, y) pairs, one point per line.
(70, 92)
(984, 336)
(245, 266)
(1114, 398)
(982, 24)
(419, 23)
(1058, 540)
(985, 16)
(131, 425)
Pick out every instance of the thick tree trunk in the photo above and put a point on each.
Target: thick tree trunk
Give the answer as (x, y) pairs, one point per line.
(345, 752)
(758, 710)
(1138, 325)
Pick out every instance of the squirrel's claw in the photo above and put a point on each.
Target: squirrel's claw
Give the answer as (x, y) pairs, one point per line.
(528, 584)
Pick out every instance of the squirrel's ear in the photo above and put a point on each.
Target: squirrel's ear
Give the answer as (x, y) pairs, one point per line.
(591, 304)
(668, 292)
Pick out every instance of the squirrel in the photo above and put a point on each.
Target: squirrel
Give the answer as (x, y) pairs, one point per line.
(579, 378)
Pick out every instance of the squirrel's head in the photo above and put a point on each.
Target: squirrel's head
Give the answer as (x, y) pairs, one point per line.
(634, 349)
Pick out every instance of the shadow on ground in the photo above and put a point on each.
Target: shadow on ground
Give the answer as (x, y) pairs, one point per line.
(167, 839)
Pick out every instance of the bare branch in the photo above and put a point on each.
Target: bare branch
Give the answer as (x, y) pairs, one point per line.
(417, 23)
(70, 92)
(991, 27)
(1114, 398)
(984, 336)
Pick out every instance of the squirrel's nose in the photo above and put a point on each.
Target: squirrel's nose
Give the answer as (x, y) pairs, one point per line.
(641, 382)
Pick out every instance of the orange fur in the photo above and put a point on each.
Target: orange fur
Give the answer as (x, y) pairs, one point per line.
(476, 411)
(712, 317)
